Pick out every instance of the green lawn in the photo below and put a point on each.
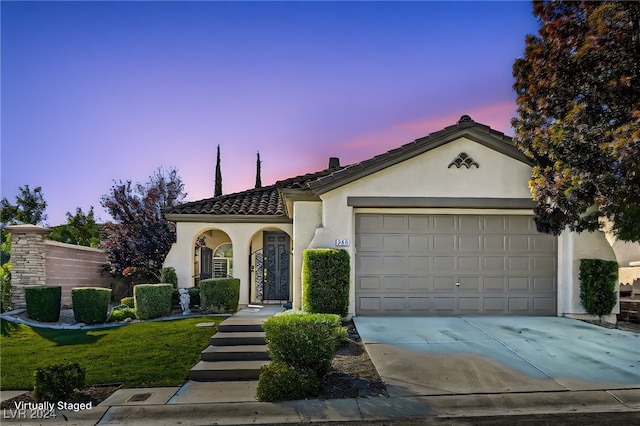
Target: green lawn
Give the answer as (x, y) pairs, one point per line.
(159, 353)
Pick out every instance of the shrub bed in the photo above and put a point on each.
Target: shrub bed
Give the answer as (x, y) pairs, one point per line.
(152, 300)
(90, 304)
(325, 281)
(43, 302)
(122, 312)
(220, 295)
(128, 301)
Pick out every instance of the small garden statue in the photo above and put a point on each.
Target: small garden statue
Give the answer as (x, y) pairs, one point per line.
(184, 301)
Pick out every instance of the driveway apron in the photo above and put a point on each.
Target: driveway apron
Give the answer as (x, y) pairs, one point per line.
(464, 355)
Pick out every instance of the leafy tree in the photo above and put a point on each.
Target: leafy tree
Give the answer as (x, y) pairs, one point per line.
(29, 207)
(258, 172)
(81, 229)
(5, 272)
(139, 238)
(218, 184)
(578, 115)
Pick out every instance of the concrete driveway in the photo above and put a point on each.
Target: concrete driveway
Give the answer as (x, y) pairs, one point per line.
(464, 355)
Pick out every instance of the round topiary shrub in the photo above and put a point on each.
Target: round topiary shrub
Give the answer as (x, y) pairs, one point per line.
(43, 302)
(90, 304)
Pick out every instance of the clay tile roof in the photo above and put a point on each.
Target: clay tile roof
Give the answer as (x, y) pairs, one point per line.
(303, 181)
(265, 201)
(259, 201)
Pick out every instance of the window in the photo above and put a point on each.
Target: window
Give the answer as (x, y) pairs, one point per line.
(223, 261)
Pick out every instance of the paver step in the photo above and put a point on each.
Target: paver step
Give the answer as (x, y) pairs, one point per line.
(235, 353)
(226, 370)
(237, 338)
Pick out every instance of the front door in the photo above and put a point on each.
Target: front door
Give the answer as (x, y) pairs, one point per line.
(277, 249)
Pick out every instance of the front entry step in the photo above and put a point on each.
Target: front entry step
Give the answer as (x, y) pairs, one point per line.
(226, 370)
(235, 353)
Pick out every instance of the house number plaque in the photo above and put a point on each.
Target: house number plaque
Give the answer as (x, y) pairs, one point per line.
(343, 243)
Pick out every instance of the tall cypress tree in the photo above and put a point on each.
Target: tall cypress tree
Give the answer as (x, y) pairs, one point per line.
(258, 172)
(218, 184)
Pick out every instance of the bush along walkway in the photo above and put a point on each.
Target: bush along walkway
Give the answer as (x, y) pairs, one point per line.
(238, 349)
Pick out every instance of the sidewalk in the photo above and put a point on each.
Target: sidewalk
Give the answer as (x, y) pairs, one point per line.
(158, 408)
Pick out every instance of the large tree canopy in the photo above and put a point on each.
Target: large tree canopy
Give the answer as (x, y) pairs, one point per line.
(578, 116)
(140, 237)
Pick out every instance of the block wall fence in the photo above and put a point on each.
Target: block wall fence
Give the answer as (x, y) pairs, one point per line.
(37, 261)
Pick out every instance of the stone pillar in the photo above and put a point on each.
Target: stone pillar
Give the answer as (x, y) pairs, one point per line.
(27, 260)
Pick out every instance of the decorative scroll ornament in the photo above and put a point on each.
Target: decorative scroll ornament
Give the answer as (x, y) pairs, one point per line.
(463, 159)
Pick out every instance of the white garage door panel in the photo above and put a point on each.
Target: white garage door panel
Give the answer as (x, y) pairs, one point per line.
(453, 265)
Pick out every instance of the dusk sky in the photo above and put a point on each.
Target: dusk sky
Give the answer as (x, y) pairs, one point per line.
(94, 92)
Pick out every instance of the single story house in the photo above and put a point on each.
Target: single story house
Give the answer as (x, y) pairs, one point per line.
(440, 226)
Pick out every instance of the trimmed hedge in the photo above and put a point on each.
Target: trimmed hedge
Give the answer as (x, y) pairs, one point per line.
(90, 304)
(325, 281)
(220, 295)
(43, 302)
(152, 300)
(598, 280)
(304, 341)
(58, 382)
(281, 382)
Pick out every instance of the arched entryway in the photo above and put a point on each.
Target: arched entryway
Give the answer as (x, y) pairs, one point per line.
(271, 266)
(213, 256)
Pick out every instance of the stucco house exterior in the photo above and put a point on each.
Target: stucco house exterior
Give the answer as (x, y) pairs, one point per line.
(440, 226)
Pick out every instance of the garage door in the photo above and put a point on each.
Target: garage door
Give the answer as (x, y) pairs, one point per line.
(453, 265)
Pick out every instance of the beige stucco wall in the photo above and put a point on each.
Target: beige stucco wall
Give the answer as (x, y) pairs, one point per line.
(428, 175)
(181, 255)
(70, 266)
(307, 218)
(571, 248)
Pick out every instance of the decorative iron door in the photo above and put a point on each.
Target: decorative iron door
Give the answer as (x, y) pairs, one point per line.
(277, 249)
(206, 263)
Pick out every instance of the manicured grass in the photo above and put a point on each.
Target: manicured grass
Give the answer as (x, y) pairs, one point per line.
(159, 353)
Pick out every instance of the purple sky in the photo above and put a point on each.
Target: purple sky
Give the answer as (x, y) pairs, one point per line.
(97, 91)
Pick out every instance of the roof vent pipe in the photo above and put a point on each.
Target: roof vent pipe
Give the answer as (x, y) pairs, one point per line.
(334, 162)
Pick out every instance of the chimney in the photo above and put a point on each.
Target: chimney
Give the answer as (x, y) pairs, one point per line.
(334, 162)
